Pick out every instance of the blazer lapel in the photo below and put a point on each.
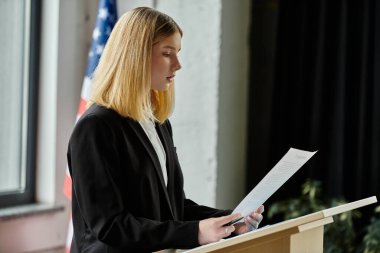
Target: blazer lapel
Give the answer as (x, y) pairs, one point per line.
(152, 154)
(168, 146)
(165, 144)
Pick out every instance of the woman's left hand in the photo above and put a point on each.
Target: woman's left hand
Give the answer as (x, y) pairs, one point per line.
(251, 222)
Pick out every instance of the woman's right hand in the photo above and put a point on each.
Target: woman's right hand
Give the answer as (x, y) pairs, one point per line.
(212, 229)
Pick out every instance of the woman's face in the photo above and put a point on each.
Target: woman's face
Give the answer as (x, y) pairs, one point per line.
(165, 61)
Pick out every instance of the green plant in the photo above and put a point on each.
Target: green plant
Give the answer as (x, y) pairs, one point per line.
(371, 240)
(338, 236)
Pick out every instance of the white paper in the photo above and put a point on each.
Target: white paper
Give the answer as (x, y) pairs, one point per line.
(289, 164)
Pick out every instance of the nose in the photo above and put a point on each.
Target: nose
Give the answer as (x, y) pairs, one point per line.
(177, 65)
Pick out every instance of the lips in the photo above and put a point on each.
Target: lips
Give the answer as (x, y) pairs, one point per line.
(170, 78)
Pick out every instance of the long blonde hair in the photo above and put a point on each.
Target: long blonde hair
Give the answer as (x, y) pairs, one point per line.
(122, 79)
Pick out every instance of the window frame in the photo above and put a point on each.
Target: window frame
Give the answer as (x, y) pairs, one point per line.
(14, 198)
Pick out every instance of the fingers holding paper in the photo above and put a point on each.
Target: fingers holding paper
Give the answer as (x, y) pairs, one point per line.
(251, 222)
(214, 229)
(254, 219)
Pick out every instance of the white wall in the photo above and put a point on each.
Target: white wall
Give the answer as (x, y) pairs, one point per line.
(196, 114)
(233, 102)
(208, 122)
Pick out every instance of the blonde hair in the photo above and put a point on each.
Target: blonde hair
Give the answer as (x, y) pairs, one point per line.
(122, 79)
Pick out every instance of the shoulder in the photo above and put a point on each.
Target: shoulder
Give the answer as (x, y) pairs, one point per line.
(99, 120)
(97, 114)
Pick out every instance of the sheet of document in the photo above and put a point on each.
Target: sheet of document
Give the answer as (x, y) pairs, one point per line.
(289, 164)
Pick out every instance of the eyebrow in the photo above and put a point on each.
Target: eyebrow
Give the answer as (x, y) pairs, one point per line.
(172, 48)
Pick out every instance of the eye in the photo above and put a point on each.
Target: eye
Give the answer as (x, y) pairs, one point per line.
(166, 54)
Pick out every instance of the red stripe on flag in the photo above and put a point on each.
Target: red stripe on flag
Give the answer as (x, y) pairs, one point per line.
(82, 106)
(67, 185)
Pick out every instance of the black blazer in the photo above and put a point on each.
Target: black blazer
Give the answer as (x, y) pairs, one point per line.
(120, 202)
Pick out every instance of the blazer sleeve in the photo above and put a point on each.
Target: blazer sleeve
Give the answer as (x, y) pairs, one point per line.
(93, 161)
(193, 211)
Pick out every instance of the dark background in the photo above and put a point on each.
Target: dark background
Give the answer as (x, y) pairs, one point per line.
(315, 85)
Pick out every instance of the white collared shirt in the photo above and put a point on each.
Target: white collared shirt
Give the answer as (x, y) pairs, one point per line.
(151, 132)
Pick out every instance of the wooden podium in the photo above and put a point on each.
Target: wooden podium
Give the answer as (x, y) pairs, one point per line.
(302, 234)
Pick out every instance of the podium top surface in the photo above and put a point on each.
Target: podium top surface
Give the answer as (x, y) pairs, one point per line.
(348, 206)
(284, 225)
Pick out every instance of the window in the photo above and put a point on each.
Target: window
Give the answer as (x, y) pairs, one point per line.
(19, 50)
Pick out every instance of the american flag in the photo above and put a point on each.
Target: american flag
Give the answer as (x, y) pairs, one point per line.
(105, 21)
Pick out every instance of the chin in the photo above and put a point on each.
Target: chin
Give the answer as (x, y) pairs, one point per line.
(162, 86)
